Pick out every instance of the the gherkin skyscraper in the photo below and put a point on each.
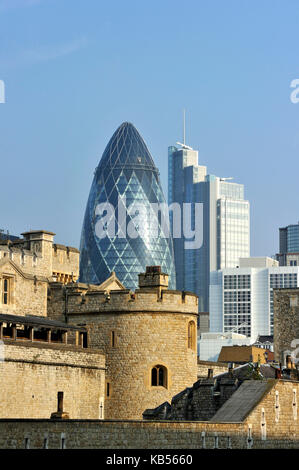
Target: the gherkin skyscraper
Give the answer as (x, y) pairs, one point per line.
(126, 244)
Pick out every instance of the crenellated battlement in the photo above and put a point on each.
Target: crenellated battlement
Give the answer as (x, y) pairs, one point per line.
(36, 254)
(125, 301)
(152, 296)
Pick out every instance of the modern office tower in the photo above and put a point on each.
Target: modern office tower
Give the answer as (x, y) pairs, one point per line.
(288, 246)
(225, 226)
(241, 299)
(128, 181)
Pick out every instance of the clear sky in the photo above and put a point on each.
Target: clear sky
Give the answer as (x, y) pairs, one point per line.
(74, 70)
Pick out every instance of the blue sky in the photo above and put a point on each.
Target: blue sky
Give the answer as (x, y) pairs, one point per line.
(74, 70)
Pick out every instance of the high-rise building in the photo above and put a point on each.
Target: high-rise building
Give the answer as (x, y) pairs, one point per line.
(288, 246)
(242, 298)
(126, 184)
(225, 223)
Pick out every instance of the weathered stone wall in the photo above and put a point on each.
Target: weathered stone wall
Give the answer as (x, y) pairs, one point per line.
(273, 423)
(142, 341)
(277, 414)
(204, 366)
(119, 435)
(82, 301)
(135, 435)
(65, 260)
(136, 332)
(37, 255)
(32, 374)
(28, 296)
(30, 264)
(286, 321)
(56, 308)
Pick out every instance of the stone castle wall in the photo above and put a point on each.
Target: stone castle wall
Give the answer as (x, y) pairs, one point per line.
(37, 255)
(266, 427)
(82, 301)
(286, 322)
(277, 415)
(141, 341)
(204, 366)
(136, 332)
(30, 264)
(34, 373)
(28, 294)
(65, 262)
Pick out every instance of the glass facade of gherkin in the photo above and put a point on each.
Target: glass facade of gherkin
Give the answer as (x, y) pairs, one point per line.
(126, 175)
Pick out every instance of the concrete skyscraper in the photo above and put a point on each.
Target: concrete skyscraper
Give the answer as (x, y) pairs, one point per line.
(226, 222)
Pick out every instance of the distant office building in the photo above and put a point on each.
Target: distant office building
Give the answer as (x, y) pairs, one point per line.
(203, 322)
(242, 298)
(226, 222)
(210, 344)
(288, 246)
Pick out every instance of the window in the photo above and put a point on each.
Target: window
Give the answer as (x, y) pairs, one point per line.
(108, 389)
(113, 339)
(191, 335)
(159, 376)
(6, 291)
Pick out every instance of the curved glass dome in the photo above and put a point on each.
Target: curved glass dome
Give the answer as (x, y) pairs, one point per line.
(126, 175)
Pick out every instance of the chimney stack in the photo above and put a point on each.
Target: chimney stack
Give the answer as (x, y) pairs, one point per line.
(60, 414)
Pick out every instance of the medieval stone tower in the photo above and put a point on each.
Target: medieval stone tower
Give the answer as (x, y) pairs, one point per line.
(148, 338)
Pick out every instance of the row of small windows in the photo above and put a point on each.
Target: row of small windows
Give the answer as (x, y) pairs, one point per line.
(241, 281)
(237, 296)
(234, 320)
(283, 280)
(237, 308)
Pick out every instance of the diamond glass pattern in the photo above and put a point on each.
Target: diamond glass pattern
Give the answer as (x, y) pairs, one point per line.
(126, 170)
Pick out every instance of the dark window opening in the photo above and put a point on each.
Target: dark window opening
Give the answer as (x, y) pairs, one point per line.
(159, 376)
(5, 291)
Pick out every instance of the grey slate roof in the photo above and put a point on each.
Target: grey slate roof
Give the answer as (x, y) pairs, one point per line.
(239, 405)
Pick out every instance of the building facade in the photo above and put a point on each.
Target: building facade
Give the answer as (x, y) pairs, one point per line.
(121, 350)
(242, 298)
(288, 246)
(225, 222)
(210, 344)
(27, 264)
(129, 235)
(286, 325)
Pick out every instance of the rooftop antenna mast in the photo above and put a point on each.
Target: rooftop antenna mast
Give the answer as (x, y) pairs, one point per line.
(183, 145)
(184, 126)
